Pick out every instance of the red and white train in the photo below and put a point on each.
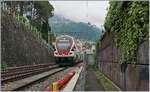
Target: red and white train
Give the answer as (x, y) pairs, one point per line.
(66, 50)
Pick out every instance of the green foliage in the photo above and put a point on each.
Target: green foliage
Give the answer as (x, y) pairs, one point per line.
(129, 20)
(44, 30)
(26, 23)
(40, 11)
(52, 37)
(50, 53)
(3, 66)
(96, 53)
(44, 9)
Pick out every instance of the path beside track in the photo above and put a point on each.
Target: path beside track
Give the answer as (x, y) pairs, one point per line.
(91, 81)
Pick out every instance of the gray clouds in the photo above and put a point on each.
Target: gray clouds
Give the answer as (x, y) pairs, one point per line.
(78, 10)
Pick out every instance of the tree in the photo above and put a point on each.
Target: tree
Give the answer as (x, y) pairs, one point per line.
(43, 12)
(37, 12)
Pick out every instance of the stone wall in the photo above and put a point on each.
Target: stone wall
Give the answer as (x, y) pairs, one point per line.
(20, 46)
(129, 77)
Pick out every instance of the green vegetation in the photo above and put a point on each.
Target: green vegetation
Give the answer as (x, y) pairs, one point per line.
(80, 30)
(96, 53)
(3, 66)
(36, 12)
(50, 53)
(87, 45)
(129, 21)
(52, 37)
(24, 20)
(107, 84)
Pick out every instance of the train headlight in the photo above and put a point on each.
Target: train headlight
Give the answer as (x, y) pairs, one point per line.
(73, 48)
(56, 53)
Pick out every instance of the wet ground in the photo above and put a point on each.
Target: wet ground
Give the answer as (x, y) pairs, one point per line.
(91, 81)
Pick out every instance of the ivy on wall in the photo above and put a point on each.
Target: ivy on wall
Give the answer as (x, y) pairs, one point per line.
(129, 21)
(96, 54)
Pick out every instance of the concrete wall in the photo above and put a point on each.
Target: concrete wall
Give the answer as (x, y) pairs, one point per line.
(126, 76)
(90, 59)
(20, 46)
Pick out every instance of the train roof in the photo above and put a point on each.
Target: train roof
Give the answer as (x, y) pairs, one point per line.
(60, 36)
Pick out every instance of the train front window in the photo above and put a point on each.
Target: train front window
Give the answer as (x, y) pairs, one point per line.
(64, 46)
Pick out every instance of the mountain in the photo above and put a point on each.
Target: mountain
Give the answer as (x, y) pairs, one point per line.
(86, 31)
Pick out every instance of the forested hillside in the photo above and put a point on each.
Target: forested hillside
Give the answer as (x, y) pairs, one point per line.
(80, 30)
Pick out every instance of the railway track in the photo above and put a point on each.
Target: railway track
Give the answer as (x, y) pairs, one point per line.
(17, 85)
(20, 68)
(22, 78)
(13, 74)
(15, 78)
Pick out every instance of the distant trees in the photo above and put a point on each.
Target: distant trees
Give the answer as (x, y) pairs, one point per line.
(37, 12)
(78, 30)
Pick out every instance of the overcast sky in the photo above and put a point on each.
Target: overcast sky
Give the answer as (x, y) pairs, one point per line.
(79, 10)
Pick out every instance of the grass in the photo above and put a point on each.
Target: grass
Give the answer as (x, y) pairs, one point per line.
(3, 66)
(107, 84)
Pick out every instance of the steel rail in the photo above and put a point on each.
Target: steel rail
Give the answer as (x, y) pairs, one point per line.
(17, 85)
(26, 73)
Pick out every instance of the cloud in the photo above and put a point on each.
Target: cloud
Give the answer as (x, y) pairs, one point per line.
(82, 11)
